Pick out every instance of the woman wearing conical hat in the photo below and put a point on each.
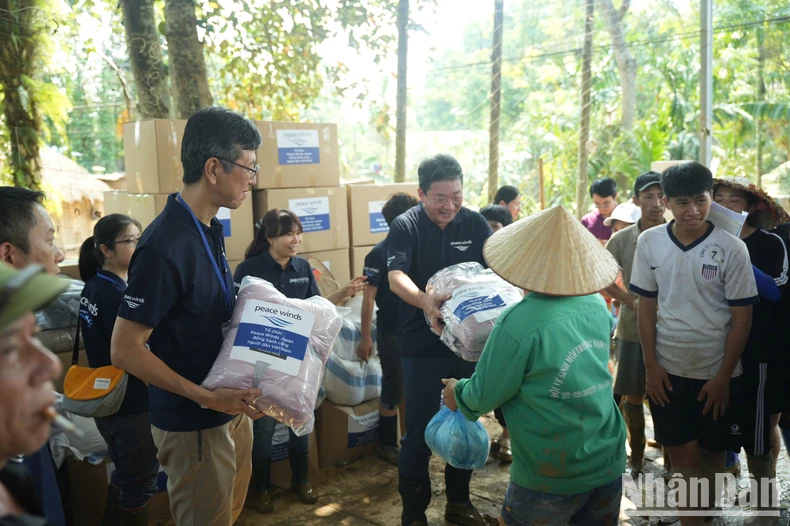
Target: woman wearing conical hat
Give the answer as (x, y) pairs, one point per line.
(545, 363)
(761, 383)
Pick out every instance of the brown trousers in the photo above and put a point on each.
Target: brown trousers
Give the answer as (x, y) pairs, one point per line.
(208, 472)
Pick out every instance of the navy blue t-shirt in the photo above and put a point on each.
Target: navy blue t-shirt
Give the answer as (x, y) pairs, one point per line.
(99, 302)
(387, 301)
(295, 281)
(419, 248)
(174, 289)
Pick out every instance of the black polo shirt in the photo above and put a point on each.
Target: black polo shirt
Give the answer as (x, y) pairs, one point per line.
(99, 302)
(419, 248)
(387, 301)
(174, 289)
(767, 336)
(295, 281)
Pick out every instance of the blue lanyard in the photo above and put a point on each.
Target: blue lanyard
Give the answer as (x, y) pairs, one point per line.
(222, 281)
(107, 278)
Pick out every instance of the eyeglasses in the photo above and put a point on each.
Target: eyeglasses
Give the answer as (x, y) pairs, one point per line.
(254, 170)
(132, 242)
(443, 200)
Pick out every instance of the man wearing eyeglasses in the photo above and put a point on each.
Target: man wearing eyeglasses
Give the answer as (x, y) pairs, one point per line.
(179, 301)
(431, 236)
(27, 236)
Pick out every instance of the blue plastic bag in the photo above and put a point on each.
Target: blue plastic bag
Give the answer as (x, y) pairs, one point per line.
(457, 441)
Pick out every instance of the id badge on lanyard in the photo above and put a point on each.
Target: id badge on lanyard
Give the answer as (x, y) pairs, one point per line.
(210, 253)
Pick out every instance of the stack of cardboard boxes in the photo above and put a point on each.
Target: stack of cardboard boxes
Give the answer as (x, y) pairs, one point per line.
(368, 226)
(153, 171)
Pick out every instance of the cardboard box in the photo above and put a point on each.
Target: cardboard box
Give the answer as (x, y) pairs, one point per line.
(366, 223)
(239, 227)
(346, 433)
(297, 155)
(660, 166)
(116, 202)
(336, 261)
(70, 268)
(322, 211)
(152, 152)
(358, 255)
(281, 466)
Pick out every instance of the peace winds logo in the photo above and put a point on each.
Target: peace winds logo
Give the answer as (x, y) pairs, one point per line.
(309, 210)
(277, 322)
(133, 302)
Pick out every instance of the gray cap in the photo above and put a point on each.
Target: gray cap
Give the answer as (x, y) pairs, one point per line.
(645, 180)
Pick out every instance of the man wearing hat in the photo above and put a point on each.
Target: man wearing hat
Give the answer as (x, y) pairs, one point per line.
(433, 235)
(761, 357)
(545, 363)
(27, 370)
(630, 368)
(27, 236)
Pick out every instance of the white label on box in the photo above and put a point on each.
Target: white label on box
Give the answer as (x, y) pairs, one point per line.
(280, 442)
(273, 334)
(313, 212)
(101, 383)
(223, 216)
(298, 147)
(482, 301)
(327, 265)
(378, 224)
(363, 429)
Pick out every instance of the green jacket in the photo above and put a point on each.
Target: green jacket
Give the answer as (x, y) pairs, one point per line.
(545, 363)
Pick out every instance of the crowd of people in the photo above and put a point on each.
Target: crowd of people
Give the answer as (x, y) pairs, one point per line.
(697, 312)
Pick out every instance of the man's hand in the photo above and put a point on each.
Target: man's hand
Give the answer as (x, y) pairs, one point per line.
(234, 402)
(432, 303)
(717, 392)
(354, 286)
(634, 305)
(365, 348)
(656, 380)
(448, 394)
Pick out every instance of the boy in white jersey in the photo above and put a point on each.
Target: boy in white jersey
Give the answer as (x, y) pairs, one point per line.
(697, 290)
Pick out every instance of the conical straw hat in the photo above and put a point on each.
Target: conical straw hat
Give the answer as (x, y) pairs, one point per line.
(551, 253)
(767, 215)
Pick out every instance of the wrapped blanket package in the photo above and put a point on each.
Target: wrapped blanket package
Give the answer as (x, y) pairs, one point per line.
(279, 345)
(457, 441)
(347, 379)
(478, 298)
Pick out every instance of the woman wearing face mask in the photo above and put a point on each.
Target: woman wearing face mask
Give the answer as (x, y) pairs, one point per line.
(272, 256)
(104, 264)
(27, 370)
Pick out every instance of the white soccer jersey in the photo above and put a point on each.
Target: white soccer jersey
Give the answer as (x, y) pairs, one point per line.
(695, 285)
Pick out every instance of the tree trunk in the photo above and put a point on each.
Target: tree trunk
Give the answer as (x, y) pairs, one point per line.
(20, 46)
(584, 135)
(626, 62)
(758, 124)
(145, 56)
(190, 80)
(401, 101)
(496, 97)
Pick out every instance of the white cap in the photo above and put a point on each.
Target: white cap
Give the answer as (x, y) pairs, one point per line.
(626, 212)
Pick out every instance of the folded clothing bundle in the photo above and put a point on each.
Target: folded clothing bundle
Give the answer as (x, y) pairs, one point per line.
(478, 298)
(279, 345)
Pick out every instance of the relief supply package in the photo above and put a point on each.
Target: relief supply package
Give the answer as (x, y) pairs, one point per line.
(279, 345)
(348, 380)
(457, 441)
(478, 298)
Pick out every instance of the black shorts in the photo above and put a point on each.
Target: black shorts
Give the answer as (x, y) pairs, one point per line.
(761, 399)
(681, 421)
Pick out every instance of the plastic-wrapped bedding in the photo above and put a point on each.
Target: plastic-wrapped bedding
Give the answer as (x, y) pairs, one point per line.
(478, 298)
(279, 345)
(347, 379)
